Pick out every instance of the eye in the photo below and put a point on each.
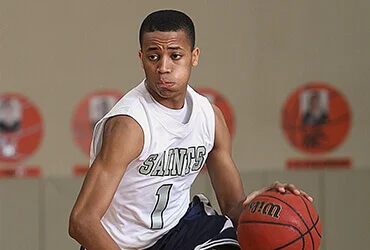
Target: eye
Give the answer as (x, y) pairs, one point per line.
(176, 56)
(153, 57)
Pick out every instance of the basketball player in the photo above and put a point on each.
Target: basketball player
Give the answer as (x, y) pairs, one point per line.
(147, 151)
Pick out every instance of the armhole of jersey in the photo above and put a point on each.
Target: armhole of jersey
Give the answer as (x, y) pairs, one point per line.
(99, 128)
(142, 121)
(145, 144)
(213, 125)
(96, 140)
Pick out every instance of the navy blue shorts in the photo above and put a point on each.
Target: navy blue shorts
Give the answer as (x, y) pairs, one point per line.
(199, 229)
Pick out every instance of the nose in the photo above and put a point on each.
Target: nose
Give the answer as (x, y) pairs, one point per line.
(164, 66)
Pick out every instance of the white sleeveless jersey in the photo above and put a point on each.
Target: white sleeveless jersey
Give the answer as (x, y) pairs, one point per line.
(154, 192)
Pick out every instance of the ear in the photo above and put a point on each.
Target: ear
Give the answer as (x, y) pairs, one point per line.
(195, 56)
(141, 58)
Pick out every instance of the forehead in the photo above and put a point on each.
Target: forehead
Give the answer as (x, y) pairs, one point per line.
(164, 39)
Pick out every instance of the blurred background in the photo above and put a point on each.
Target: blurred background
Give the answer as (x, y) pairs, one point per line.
(291, 78)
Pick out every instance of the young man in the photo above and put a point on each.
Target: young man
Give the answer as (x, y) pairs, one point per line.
(147, 151)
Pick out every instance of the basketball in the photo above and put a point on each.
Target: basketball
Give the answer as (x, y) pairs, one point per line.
(275, 220)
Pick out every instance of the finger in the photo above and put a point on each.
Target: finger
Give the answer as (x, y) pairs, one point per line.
(280, 187)
(293, 189)
(277, 184)
(246, 201)
(250, 197)
(308, 197)
(253, 195)
(264, 189)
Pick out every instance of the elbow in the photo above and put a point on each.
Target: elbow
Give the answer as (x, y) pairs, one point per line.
(73, 225)
(81, 223)
(77, 225)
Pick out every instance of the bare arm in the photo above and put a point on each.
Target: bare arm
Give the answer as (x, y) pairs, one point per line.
(224, 175)
(122, 142)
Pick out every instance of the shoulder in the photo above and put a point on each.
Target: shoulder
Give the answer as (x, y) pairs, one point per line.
(121, 122)
(121, 142)
(122, 132)
(217, 111)
(218, 114)
(222, 133)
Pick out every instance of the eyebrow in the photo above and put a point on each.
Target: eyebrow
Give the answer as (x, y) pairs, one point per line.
(175, 47)
(171, 47)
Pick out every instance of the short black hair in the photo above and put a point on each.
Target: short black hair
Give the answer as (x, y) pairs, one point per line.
(168, 20)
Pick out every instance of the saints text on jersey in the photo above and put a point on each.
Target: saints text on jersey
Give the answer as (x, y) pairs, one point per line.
(174, 162)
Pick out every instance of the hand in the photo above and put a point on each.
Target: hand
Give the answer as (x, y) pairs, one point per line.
(281, 188)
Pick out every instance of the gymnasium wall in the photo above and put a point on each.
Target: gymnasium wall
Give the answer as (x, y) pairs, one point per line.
(34, 213)
(255, 53)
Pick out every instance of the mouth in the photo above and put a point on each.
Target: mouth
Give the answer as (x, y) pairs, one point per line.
(166, 83)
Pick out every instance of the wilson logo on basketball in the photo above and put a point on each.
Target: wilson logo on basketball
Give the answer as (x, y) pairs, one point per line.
(269, 209)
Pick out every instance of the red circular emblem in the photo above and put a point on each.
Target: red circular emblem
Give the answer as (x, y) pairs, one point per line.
(21, 128)
(316, 118)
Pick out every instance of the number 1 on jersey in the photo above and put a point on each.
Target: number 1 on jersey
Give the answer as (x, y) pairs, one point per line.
(163, 195)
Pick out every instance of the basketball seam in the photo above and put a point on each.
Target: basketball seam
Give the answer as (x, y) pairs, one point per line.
(299, 215)
(280, 224)
(309, 213)
(302, 236)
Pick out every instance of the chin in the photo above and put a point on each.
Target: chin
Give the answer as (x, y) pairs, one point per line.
(165, 94)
